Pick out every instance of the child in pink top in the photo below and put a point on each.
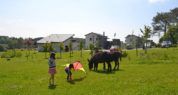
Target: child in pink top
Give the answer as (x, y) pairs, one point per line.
(52, 68)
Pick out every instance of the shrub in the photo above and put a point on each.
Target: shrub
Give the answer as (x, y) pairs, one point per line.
(124, 54)
(11, 54)
(1, 48)
(7, 54)
(18, 54)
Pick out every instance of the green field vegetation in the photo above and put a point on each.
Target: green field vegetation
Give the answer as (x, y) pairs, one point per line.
(154, 73)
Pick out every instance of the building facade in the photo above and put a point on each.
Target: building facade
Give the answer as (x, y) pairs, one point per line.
(55, 40)
(133, 41)
(96, 39)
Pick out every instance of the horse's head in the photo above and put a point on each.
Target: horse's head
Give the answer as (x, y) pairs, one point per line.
(90, 64)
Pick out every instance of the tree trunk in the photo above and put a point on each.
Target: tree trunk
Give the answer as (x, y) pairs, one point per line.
(45, 55)
(81, 53)
(165, 28)
(60, 54)
(146, 47)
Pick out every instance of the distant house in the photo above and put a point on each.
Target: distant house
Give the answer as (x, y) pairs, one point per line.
(76, 43)
(55, 40)
(132, 41)
(35, 41)
(116, 43)
(96, 39)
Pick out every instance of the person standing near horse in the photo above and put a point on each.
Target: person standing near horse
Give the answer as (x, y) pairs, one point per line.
(52, 68)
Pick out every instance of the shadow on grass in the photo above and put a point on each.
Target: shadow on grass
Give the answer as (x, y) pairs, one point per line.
(107, 72)
(52, 86)
(76, 80)
(119, 70)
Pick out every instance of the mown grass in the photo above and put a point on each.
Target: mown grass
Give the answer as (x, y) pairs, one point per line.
(154, 73)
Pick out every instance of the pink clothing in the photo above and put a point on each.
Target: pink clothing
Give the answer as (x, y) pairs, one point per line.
(52, 70)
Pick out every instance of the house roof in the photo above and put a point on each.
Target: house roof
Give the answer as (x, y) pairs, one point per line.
(96, 34)
(131, 36)
(93, 33)
(55, 38)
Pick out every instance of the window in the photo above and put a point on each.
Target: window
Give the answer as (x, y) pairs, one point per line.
(90, 39)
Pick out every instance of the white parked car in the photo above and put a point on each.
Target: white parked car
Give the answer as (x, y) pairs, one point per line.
(166, 44)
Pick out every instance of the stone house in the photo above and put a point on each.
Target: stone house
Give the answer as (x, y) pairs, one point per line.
(98, 40)
(132, 41)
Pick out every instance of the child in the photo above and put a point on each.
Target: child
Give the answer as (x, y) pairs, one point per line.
(52, 68)
(68, 71)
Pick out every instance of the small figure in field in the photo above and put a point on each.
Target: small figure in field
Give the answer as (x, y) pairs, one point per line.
(52, 68)
(68, 71)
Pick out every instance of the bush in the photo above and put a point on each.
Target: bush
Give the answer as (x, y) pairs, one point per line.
(124, 54)
(11, 54)
(7, 54)
(1, 48)
(18, 54)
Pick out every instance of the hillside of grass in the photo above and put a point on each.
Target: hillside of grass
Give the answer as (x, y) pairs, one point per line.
(154, 73)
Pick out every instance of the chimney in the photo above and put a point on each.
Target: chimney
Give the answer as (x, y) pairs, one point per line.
(103, 33)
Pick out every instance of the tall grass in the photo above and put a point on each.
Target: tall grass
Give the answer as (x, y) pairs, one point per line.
(154, 73)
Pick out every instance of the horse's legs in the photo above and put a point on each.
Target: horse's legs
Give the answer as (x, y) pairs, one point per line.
(104, 66)
(95, 66)
(115, 65)
(109, 67)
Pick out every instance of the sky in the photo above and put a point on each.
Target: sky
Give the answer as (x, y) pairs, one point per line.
(40, 18)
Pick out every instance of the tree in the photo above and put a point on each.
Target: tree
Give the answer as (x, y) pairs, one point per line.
(171, 35)
(70, 48)
(174, 13)
(50, 47)
(163, 20)
(1, 48)
(61, 46)
(81, 47)
(146, 33)
(45, 49)
(20, 43)
(91, 46)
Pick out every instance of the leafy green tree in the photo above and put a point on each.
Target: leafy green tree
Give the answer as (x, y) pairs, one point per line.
(70, 48)
(174, 14)
(50, 47)
(163, 20)
(171, 35)
(1, 48)
(61, 46)
(45, 49)
(146, 33)
(81, 47)
(91, 46)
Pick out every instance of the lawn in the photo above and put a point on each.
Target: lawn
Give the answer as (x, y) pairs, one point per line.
(154, 73)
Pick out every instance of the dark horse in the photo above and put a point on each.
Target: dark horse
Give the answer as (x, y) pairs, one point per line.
(105, 57)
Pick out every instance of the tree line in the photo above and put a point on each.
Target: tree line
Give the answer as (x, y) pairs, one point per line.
(16, 43)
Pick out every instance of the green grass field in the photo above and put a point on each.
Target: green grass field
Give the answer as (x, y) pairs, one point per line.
(155, 73)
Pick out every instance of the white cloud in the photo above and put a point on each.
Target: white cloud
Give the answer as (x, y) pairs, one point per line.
(156, 1)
